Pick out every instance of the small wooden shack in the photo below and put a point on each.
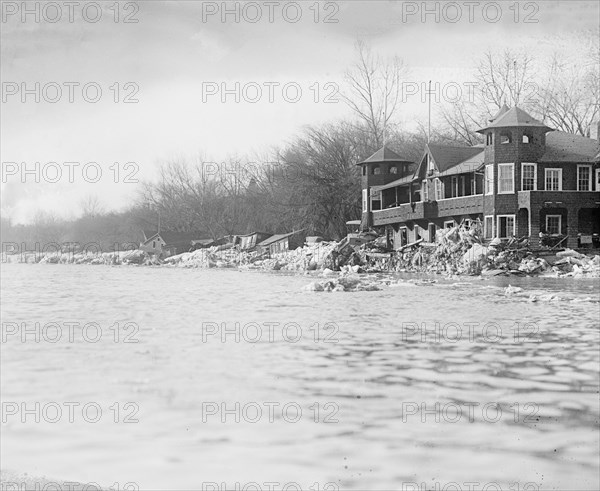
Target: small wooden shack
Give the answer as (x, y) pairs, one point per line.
(166, 243)
(282, 242)
(250, 241)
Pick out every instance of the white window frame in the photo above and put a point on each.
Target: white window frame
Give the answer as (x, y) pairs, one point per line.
(512, 178)
(374, 197)
(559, 223)
(424, 190)
(438, 188)
(523, 164)
(514, 218)
(365, 197)
(451, 222)
(430, 165)
(488, 180)
(589, 167)
(546, 172)
(454, 186)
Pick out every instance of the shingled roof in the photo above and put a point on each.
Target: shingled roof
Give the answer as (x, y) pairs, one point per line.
(278, 237)
(567, 147)
(501, 111)
(447, 156)
(399, 182)
(384, 154)
(469, 165)
(515, 117)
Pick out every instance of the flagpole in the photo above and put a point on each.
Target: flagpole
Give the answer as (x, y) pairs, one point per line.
(429, 116)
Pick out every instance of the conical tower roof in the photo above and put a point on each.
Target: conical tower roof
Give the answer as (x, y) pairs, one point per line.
(501, 111)
(514, 117)
(384, 154)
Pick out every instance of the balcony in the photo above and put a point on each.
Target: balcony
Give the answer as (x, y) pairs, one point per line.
(464, 205)
(559, 199)
(401, 213)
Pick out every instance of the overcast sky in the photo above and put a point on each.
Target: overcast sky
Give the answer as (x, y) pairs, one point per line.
(178, 47)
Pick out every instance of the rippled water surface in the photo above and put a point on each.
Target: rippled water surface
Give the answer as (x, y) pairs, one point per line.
(538, 382)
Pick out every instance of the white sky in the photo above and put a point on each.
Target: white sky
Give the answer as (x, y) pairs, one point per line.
(171, 52)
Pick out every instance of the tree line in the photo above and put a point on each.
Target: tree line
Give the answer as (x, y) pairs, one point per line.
(313, 183)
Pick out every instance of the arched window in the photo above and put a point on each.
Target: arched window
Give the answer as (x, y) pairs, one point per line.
(376, 170)
(527, 138)
(505, 137)
(393, 169)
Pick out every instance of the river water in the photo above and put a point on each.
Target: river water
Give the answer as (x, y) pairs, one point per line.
(321, 390)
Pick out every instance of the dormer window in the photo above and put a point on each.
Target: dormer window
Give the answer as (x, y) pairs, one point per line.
(527, 138)
(393, 169)
(376, 170)
(505, 137)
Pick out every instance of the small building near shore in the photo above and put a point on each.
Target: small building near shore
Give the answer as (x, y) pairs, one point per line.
(249, 241)
(166, 243)
(282, 242)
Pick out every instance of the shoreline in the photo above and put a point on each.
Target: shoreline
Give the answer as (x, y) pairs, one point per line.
(475, 262)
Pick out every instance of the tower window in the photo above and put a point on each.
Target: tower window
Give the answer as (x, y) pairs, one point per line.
(527, 138)
(393, 169)
(505, 137)
(489, 139)
(364, 172)
(376, 170)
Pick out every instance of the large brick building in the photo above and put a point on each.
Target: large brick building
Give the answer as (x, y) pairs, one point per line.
(524, 179)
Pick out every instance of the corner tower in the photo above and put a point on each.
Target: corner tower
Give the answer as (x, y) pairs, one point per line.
(383, 167)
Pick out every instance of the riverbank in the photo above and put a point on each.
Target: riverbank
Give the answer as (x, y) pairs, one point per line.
(456, 252)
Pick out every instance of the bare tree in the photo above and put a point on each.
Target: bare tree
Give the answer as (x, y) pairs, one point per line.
(374, 90)
(570, 98)
(91, 206)
(565, 95)
(505, 78)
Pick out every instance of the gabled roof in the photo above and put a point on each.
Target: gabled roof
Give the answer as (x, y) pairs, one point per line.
(469, 165)
(398, 182)
(175, 237)
(567, 147)
(254, 233)
(384, 154)
(148, 234)
(447, 156)
(277, 238)
(515, 117)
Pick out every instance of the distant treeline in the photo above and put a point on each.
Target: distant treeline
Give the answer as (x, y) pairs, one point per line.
(313, 182)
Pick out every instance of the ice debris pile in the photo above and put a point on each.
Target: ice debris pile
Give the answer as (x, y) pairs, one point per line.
(107, 258)
(307, 258)
(457, 251)
(461, 250)
(347, 281)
